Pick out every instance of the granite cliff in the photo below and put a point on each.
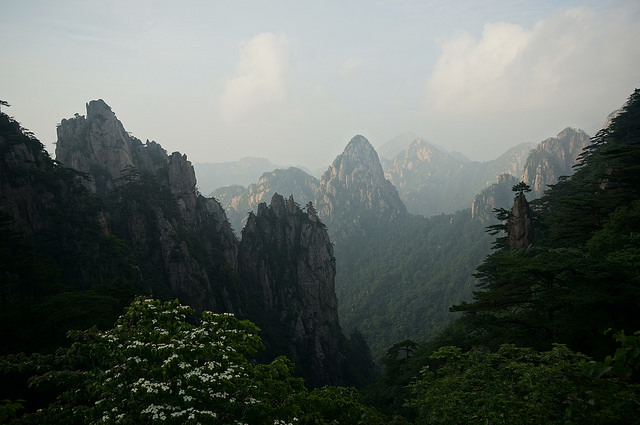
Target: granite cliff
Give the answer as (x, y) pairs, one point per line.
(286, 259)
(553, 158)
(354, 191)
(154, 206)
(281, 274)
(495, 196)
(545, 164)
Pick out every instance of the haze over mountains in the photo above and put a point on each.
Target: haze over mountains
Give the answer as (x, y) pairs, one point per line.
(311, 258)
(429, 180)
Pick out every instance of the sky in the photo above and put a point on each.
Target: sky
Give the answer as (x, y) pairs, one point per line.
(294, 81)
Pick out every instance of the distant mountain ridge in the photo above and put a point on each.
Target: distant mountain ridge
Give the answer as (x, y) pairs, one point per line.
(238, 201)
(352, 189)
(551, 159)
(431, 181)
(212, 175)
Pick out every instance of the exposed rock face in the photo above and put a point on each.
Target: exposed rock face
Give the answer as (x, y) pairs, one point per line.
(287, 260)
(354, 189)
(237, 201)
(431, 181)
(98, 145)
(282, 274)
(520, 224)
(157, 202)
(552, 158)
(494, 196)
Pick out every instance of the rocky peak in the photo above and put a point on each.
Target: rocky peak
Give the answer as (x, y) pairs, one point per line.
(358, 158)
(286, 256)
(237, 200)
(520, 224)
(496, 195)
(158, 205)
(420, 150)
(553, 158)
(97, 145)
(354, 187)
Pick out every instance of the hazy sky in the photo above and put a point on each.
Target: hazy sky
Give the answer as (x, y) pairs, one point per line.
(293, 81)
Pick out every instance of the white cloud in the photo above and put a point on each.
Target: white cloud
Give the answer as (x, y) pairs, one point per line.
(349, 66)
(259, 78)
(563, 69)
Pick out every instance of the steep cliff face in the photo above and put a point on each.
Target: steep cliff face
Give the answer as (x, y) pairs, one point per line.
(286, 258)
(520, 224)
(282, 274)
(154, 205)
(354, 189)
(496, 195)
(552, 158)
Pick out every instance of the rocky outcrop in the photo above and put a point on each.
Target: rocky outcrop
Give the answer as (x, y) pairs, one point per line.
(281, 275)
(520, 224)
(495, 196)
(155, 207)
(286, 258)
(97, 145)
(553, 158)
(238, 201)
(354, 190)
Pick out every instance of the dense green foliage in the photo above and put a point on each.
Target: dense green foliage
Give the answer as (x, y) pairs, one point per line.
(557, 297)
(581, 276)
(162, 363)
(520, 386)
(398, 281)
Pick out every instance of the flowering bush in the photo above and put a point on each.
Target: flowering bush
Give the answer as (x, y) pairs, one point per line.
(162, 363)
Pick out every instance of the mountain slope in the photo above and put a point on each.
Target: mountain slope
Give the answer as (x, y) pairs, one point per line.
(431, 181)
(239, 201)
(354, 192)
(108, 233)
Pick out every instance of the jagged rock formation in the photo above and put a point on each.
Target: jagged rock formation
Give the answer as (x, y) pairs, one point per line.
(431, 181)
(155, 202)
(494, 196)
(354, 190)
(552, 158)
(286, 259)
(282, 273)
(238, 201)
(520, 224)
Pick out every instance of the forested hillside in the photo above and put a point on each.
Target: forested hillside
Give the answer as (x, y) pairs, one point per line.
(546, 330)
(551, 335)
(398, 281)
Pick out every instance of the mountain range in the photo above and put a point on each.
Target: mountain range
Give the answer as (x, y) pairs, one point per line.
(156, 234)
